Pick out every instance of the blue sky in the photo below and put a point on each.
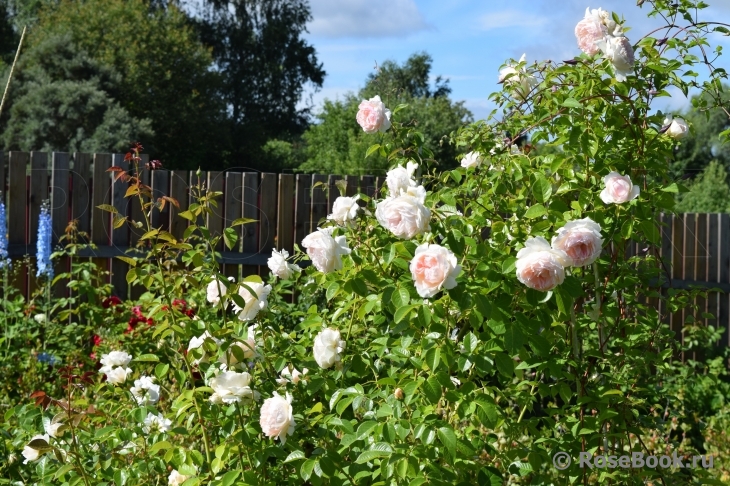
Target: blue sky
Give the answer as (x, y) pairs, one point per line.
(467, 39)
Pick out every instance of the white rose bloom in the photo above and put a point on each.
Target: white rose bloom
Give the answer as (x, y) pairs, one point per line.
(52, 428)
(156, 423)
(521, 80)
(324, 250)
(405, 216)
(472, 159)
(291, 375)
(581, 240)
(216, 290)
(40, 318)
(145, 391)
(197, 342)
(176, 479)
(116, 358)
(678, 128)
(254, 303)
(344, 210)
(31, 454)
(248, 348)
(116, 375)
(327, 347)
(231, 387)
(279, 266)
(277, 418)
(619, 189)
(618, 50)
(400, 179)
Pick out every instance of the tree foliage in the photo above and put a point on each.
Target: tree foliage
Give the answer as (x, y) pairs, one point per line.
(67, 101)
(703, 144)
(709, 193)
(264, 65)
(337, 145)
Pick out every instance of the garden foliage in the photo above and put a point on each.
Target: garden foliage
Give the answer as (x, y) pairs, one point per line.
(460, 327)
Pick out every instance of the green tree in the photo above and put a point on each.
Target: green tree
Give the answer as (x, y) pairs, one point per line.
(337, 145)
(163, 71)
(709, 193)
(264, 64)
(65, 101)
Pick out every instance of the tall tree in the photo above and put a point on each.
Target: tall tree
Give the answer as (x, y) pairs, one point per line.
(66, 101)
(164, 72)
(265, 64)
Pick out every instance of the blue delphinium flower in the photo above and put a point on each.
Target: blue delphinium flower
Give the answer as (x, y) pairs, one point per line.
(48, 358)
(43, 248)
(3, 237)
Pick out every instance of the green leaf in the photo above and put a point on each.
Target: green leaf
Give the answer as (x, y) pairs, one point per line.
(433, 358)
(229, 478)
(513, 338)
(489, 476)
(131, 275)
(240, 221)
(332, 290)
(448, 439)
(505, 364)
(403, 312)
(651, 231)
(535, 211)
(306, 470)
(230, 237)
(541, 190)
(161, 370)
(673, 187)
(400, 298)
(372, 149)
(432, 389)
(572, 103)
(147, 357)
(108, 208)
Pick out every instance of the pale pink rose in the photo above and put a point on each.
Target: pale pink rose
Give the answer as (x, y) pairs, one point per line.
(373, 116)
(176, 479)
(678, 128)
(589, 31)
(324, 250)
(32, 454)
(539, 266)
(277, 418)
(618, 50)
(581, 240)
(434, 267)
(619, 189)
(231, 387)
(344, 210)
(404, 216)
(400, 179)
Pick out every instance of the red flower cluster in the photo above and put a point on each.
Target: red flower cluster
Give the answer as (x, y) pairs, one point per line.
(112, 301)
(182, 306)
(136, 318)
(95, 341)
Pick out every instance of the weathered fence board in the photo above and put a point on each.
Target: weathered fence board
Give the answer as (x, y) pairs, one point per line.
(694, 249)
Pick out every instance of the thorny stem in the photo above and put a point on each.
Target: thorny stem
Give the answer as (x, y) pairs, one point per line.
(599, 319)
(576, 347)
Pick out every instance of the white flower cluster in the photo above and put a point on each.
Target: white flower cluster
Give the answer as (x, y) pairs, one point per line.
(279, 266)
(114, 366)
(324, 250)
(520, 79)
(403, 212)
(145, 391)
(254, 301)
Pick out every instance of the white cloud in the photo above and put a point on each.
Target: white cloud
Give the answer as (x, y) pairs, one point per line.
(365, 18)
(511, 18)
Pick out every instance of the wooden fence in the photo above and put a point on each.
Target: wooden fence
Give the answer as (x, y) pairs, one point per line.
(695, 247)
(286, 206)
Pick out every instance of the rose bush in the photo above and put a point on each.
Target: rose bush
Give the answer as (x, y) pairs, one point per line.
(443, 339)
